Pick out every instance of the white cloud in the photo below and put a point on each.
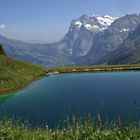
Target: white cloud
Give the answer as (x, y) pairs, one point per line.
(2, 26)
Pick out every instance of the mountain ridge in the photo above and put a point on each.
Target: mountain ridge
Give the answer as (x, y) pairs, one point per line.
(89, 39)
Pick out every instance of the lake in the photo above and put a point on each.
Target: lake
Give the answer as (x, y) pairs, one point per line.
(50, 99)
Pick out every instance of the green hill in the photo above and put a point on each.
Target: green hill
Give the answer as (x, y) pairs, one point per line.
(15, 74)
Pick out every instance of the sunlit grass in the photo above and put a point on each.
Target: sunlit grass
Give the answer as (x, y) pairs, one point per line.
(76, 129)
(15, 74)
(94, 68)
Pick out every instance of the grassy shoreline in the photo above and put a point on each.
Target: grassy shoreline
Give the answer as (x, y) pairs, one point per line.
(13, 91)
(18, 88)
(35, 73)
(96, 68)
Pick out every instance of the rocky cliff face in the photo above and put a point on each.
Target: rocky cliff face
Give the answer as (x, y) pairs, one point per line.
(78, 41)
(128, 52)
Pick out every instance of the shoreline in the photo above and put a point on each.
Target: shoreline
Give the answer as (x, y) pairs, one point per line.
(85, 69)
(77, 69)
(16, 74)
(20, 88)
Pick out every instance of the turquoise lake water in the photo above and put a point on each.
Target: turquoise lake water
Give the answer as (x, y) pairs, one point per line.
(52, 98)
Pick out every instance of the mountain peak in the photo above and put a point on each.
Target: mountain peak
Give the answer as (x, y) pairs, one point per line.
(105, 20)
(93, 23)
(84, 16)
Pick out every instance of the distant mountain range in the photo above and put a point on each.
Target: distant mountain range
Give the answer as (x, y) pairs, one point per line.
(90, 40)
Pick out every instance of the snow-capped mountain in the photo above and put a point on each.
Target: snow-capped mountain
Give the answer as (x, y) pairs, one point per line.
(79, 39)
(89, 40)
(93, 23)
(109, 40)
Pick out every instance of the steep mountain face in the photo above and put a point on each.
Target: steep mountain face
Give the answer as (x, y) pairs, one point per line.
(78, 41)
(110, 39)
(128, 52)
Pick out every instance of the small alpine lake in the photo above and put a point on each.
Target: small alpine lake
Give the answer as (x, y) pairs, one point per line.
(50, 99)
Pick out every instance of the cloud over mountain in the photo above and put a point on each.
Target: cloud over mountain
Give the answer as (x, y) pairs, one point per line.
(2, 26)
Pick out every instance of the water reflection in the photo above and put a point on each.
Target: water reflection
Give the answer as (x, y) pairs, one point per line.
(4, 98)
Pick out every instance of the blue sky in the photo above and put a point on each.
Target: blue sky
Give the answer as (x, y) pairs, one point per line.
(49, 20)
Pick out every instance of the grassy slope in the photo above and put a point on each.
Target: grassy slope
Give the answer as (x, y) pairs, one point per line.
(15, 74)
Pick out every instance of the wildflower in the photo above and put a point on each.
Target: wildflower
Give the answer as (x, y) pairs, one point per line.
(47, 127)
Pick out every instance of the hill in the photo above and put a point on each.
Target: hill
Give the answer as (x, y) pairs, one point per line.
(15, 74)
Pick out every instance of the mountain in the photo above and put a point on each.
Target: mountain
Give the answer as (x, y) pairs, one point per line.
(128, 52)
(78, 41)
(110, 39)
(89, 40)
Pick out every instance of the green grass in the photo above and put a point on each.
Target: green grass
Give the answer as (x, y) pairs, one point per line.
(15, 74)
(74, 131)
(95, 68)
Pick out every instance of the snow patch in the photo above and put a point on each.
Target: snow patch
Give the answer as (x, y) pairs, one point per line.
(91, 27)
(88, 26)
(124, 30)
(78, 23)
(138, 14)
(107, 16)
(93, 23)
(70, 51)
(105, 21)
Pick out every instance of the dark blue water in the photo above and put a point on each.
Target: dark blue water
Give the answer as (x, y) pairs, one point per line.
(50, 99)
